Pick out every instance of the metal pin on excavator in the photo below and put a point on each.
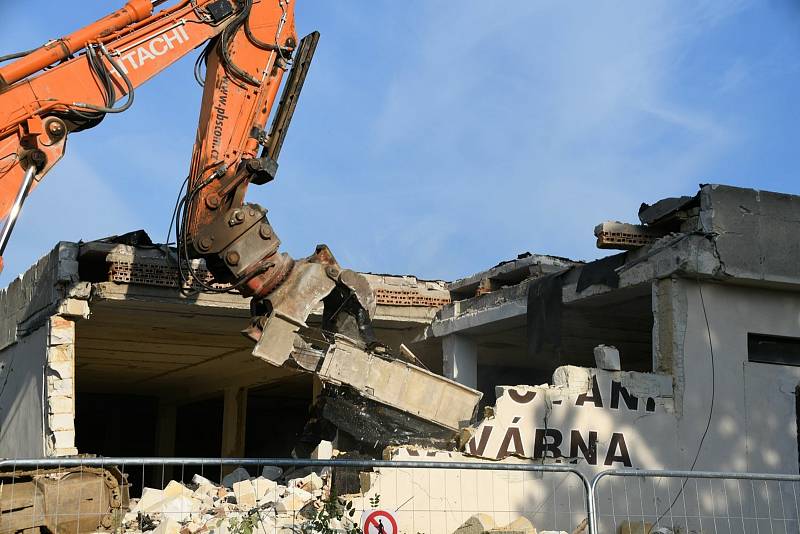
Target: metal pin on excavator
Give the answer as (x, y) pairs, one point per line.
(70, 84)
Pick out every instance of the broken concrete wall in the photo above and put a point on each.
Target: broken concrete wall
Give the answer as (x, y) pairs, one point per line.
(591, 418)
(727, 233)
(646, 420)
(33, 297)
(595, 418)
(148, 339)
(755, 231)
(657, 421)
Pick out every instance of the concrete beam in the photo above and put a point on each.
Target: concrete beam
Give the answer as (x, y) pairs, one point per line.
(400, 385)
(509, 273)
(464, 315)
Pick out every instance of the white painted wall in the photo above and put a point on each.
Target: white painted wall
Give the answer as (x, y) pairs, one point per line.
(754, 422)
(21, 393)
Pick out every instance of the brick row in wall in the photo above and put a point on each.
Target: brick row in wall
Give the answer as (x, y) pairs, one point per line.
(166, 276)
(151, 274)
(60, 388)
(405, 297)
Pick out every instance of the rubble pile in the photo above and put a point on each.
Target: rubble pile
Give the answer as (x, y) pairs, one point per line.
(484, 524)
(241, 504)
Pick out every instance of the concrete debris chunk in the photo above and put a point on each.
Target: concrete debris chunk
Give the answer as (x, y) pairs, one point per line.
(245, 493)
(310, 483)
(477, 524)
(168, 526)
(200, 480)
(175, 489)
(607, 357)
(324, 451)
(635, 527)
(431, 398)
(150, 496)
(237, 475)
(264, 486)
(270, 497)
(521, 525)
(271, 472)
(207, 508)
(180, 508)
(367, 480)
(265, 525)
(206, 491)
(258, 505)
(294, 501)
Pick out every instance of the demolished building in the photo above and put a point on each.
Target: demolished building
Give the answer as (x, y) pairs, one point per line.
(681, 351)
(703, 309)
(97, 339)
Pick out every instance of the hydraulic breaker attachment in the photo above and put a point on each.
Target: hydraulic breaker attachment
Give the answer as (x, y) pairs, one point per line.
(348, 301)
(235, 238)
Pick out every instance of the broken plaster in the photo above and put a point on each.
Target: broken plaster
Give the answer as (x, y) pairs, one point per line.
(587, 415)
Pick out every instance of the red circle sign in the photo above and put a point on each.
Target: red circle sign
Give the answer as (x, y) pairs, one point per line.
(380, 522)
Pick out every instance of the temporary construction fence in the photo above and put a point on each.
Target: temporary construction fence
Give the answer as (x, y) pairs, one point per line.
(301, 496)
(262, 496)
(651, 501)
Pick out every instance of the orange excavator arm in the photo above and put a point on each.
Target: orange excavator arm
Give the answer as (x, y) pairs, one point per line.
(70, 84)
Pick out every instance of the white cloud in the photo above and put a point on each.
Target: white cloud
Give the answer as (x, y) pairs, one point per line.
(540, 120)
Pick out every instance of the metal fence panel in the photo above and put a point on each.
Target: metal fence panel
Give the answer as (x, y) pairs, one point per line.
(645, 501)
(184, 495)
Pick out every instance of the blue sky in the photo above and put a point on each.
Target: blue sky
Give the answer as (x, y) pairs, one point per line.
(438, 138)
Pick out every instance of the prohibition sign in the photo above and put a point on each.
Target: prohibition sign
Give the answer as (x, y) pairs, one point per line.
(380, 522)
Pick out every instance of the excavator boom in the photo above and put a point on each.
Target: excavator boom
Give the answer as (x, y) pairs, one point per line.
(40, 108)
(71, 84)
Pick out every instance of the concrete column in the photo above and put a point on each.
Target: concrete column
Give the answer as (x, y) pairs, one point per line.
(460, 359)
(234, 415)
(316, 389)
(165, 434)
(60, 388)
(165, 431)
